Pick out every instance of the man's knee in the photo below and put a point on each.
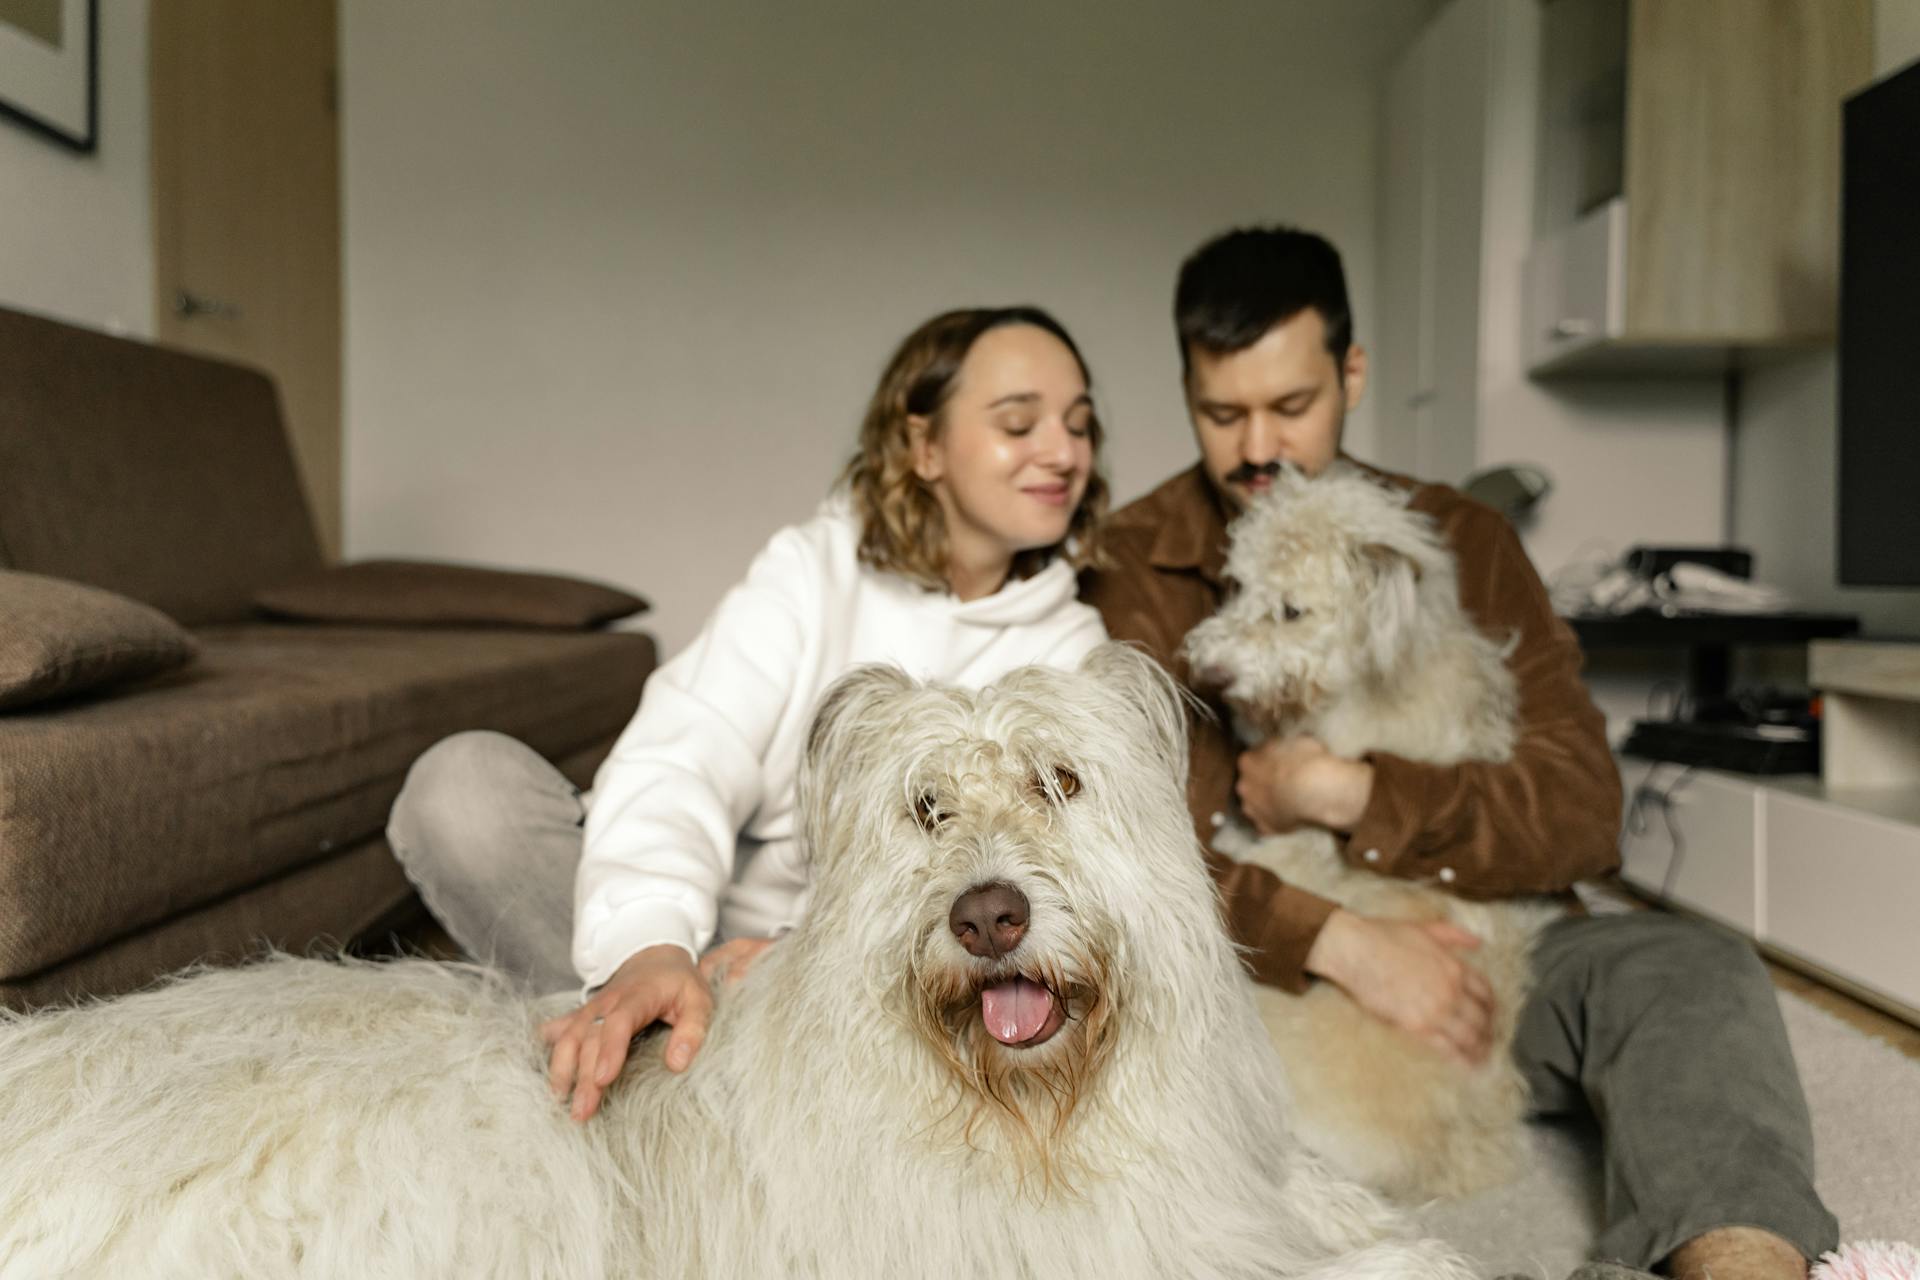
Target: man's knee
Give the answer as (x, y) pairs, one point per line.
(1657, 958)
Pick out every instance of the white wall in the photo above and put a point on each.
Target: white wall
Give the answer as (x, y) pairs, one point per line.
(1633, 460)
(76, 232)
(620, 276)
(1784, 504)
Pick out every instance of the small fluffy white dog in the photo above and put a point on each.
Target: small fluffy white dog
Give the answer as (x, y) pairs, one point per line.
(1347, 626)
(1010, 1039)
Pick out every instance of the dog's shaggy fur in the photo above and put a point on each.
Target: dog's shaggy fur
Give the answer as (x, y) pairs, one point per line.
(850, 1116)
(1346, 624)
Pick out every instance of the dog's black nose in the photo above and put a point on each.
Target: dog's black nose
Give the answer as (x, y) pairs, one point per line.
(989, 919)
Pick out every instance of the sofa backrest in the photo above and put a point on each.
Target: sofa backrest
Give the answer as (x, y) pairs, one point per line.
(161, 475)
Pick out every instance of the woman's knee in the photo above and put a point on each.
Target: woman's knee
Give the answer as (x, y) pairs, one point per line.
(458, 798)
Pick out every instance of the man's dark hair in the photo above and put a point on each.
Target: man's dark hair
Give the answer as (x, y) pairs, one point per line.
(1239, 285)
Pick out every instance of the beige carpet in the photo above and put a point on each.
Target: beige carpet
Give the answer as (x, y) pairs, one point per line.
(1865, 1100)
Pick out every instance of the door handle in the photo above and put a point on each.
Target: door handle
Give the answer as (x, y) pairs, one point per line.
(188, 305)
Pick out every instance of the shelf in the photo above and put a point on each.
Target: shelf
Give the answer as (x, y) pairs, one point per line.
(1648, 629)
(1709, 638)
(1869, 668)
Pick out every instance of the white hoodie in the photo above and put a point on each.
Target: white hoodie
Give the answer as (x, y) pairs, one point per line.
(690, 824)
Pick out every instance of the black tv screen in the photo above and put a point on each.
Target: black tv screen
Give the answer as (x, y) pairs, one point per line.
(1879, 467)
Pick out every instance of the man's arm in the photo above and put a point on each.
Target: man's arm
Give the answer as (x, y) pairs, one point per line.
(1537, 823)
(1276, 922)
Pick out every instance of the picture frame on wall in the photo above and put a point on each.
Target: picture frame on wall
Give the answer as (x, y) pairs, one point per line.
(49, 68)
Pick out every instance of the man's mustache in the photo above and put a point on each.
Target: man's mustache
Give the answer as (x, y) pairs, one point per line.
(1247, 472)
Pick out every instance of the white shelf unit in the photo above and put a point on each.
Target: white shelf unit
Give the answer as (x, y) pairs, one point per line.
(1822, 872)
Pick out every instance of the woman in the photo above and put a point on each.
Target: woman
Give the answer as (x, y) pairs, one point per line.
(949, 548)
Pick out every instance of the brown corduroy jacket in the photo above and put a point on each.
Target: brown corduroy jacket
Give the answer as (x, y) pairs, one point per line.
(1536, 824)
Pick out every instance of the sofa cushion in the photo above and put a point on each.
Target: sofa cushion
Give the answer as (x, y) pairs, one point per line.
(60, 638)
(418, 593)
(282, 745)
(164, 476)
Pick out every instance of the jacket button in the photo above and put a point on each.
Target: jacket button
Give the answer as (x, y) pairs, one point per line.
(1371, 855)
(1446, 875)
(1218, 819)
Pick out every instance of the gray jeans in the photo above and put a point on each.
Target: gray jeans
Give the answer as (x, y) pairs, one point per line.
(1668, 1034)
(490, 833)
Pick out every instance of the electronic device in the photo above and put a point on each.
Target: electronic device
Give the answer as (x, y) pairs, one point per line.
(1651, 562)
(1878, 483)
(1758, 731)
(1727, 745)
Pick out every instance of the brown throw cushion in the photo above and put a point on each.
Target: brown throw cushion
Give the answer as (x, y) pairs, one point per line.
(417, 593)
(59, 638)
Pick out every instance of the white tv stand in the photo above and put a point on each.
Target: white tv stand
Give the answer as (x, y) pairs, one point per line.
(1823, 872)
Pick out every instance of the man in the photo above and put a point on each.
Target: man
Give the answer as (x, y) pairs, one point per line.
(1667, 1032)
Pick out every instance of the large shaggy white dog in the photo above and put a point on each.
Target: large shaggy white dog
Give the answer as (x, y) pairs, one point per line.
(1346, 625)
(1010, 1039)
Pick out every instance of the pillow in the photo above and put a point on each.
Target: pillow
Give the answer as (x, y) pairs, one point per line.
(417, 593)
(59, 638)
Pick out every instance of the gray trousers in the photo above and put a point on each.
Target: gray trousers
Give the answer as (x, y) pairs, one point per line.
(1668, 1033)
(490, 834)
(1664, 1030)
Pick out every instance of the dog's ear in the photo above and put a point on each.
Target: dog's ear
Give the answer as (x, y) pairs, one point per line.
(1393, 603)
(848, 702)
(1146, 687)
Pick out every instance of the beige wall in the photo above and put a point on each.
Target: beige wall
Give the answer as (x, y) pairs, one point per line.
(620, 277)
(1785, 440)
(76, 238)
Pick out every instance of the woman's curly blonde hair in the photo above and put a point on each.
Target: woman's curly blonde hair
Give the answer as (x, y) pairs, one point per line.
(902, 529)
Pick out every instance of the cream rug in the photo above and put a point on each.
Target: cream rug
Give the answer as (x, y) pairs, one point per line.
(1865, 1101)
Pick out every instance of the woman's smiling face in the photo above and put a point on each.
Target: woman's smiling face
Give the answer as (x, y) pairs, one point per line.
(1009, 454)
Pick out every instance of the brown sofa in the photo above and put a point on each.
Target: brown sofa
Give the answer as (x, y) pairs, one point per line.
(239, 799)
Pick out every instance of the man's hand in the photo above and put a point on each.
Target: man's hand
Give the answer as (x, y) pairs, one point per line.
(589, 1046)
(1410, 975)
(1287, 782)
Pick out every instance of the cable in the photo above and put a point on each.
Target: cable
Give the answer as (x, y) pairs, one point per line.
(1635, 825)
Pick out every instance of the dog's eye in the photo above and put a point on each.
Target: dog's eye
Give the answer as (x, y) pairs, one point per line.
(1291, 613)
(927, 811)
(1066, 784)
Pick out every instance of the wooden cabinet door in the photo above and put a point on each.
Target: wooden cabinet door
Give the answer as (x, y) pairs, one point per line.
(1733, 165)
(246, 207)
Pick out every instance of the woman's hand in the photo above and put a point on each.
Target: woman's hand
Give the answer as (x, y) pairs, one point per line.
(730, 961)
(589, 1046)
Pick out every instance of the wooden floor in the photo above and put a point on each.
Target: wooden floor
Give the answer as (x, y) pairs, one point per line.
(417, 933)
(1869, 1021)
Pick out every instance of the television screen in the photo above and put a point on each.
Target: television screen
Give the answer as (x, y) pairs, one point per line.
(1879, 465)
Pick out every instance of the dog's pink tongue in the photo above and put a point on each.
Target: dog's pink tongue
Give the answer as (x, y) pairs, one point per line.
(1015, 1011)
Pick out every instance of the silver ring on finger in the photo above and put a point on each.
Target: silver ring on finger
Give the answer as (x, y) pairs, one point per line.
(598, 1021)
